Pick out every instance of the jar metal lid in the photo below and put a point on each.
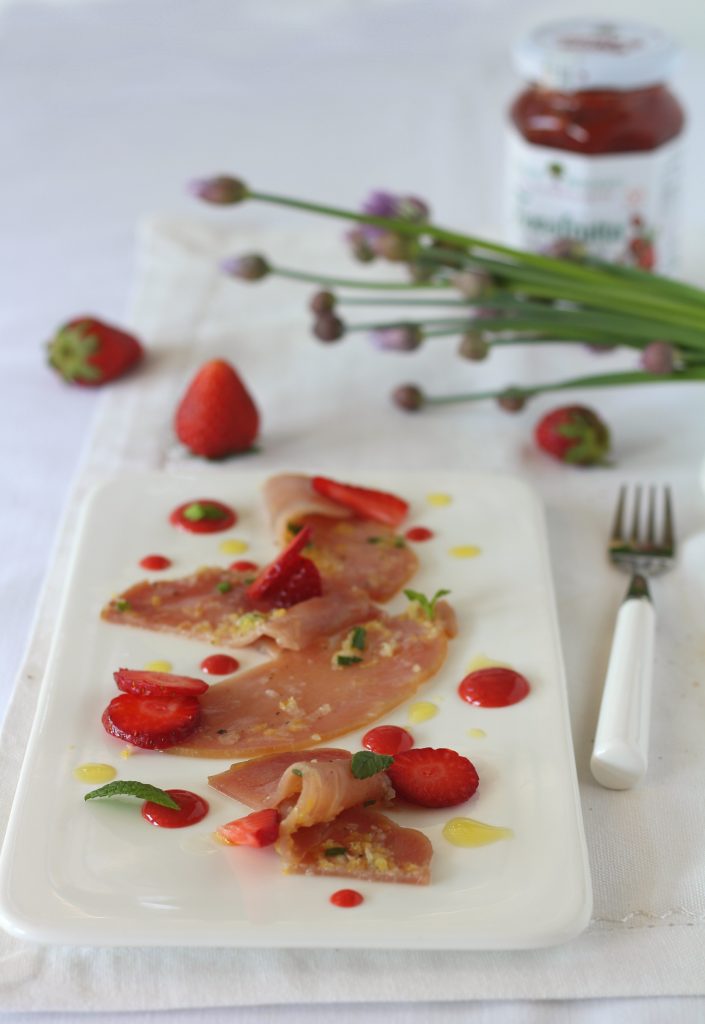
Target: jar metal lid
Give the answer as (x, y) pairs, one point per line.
(587, 53)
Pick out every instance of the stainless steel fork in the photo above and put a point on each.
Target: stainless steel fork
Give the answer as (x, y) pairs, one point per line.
(643, 545)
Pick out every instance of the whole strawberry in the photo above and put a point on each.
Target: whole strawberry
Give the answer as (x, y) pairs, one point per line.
(89, 352)
(216, 416)
(574, 434)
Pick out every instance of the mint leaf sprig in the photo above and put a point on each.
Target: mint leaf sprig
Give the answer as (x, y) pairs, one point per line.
(365, 764)
(428, 605)
(129, 787)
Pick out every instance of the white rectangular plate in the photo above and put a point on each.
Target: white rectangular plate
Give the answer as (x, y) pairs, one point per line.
(97, 873)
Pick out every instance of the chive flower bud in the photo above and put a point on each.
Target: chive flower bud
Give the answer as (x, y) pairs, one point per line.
(408, 397)
(473, 345)
(322, 302)
(402, 338)
(511, 400)
(659, 357)
(221, 190)
(360, 246)
(328, 327)
(248, 268)
(391, 246)
(472, 284)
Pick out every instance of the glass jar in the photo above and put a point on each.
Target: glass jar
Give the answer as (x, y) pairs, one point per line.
(594, 161)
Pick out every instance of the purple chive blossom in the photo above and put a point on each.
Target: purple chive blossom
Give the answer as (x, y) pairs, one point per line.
(658, 357)
(404, 338)
(386, 204)
(248, 268)
(221, 190)
(381, 204)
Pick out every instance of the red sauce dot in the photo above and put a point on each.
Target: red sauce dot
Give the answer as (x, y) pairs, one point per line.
(346, 898)
(192, 809)
(419, 533)
(387, 739)
(244, 566)
(155, 562)
(219, 665)
(494, 687)
(203, 515)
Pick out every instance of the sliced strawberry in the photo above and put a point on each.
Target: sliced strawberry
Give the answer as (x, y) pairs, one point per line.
(157, 684)
(433, 778)
(151, 722)
(261, 828)
(379, 506)
(289, 579)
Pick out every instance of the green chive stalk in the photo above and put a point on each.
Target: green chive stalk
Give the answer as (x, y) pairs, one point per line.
(490, 294)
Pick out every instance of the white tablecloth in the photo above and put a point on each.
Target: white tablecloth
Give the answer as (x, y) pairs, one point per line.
(109, 109)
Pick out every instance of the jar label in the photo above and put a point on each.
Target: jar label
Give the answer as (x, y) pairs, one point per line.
(622, 207)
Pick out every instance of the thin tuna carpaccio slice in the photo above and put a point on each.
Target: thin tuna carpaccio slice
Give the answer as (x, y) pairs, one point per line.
(363, 844)
(300, 698)
(212, 605)
(358, 553)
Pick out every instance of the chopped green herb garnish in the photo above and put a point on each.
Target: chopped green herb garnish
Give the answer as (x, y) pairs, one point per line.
(142, 790)
(428, 605)
(121, 605)
(222, 732)
(335, 851)
(224, 586)
(364, 763)
(399, 542)
(199, 510)
(358, 638)
(294, 528)
(347, 659)
(374, 540)
(297, 771)
(248, 579)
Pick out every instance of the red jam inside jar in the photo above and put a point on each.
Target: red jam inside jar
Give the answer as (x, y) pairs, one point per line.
(598, 120)
(594, 163)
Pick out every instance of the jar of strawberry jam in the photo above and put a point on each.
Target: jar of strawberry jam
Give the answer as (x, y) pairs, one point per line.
(594, 159)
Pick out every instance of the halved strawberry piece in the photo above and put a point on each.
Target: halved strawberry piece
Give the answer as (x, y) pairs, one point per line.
(379, 506)
(289, 579)
(261, 828)
(151, 722)
(433, 778)
(157, 684)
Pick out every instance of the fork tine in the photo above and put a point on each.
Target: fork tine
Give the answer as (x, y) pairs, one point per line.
(668, 519)
(618, 525)
(635, 516)
(651, 522)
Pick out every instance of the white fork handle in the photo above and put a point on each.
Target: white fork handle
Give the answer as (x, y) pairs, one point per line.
(620, 754)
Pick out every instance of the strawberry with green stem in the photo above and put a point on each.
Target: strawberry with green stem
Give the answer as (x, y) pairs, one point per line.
(89, 352)
(574, 434)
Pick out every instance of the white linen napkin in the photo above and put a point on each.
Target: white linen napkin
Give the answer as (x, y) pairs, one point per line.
(327, 407)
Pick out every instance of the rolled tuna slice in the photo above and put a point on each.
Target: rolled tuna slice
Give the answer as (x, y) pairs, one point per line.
(289, 497)
(339, 683)
(328, 827)
(255, 782)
